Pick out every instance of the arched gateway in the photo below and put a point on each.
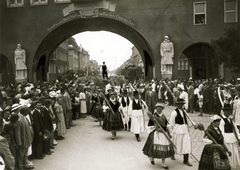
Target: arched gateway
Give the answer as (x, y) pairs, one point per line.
(77, 25)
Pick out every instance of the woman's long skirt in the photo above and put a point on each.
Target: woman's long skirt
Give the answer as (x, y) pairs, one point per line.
(112, 122)
(157, 146)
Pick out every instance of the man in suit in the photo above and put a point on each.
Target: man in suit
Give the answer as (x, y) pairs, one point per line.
(6, 155)
(24, 138)
(104, 71)
(151, 99)
(38, 127)
(47, 120)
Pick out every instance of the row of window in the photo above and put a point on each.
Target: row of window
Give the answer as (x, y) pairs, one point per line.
(19, 3)
(200, 9)
(200, 12)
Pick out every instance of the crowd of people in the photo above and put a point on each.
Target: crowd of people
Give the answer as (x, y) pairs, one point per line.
(36, 116)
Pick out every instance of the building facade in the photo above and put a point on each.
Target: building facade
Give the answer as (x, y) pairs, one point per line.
(41, 26)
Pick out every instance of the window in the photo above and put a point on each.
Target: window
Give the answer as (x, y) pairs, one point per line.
(39, 2)
(62, 1)
(199, 13)
(15, 3)
(230, 10)
(183, 64)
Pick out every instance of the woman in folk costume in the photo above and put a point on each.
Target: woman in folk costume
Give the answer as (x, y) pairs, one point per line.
(112, 121)
(124, 101)
(97, 102)
(230, 134)
(214, 154)
(136, 112)
(157, 144)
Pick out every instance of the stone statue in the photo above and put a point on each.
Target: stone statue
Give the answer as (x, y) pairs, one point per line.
(167, 52)
(20, 63)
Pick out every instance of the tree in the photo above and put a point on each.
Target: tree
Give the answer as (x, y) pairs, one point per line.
(227, 49)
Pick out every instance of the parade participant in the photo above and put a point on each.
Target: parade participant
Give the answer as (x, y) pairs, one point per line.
(157, 144)
(96, 110)
(136, 112)
(124, 101)
(112, 119)
(180, 133)
(183, 95)
(214, 154)
(230, 134)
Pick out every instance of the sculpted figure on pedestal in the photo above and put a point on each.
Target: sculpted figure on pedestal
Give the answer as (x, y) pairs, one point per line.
(167, 52)
(20, 62)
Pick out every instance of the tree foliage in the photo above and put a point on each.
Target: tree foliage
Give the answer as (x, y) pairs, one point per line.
(227, 49)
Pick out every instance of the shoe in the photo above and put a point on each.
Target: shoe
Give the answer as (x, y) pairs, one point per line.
(200, 115)
(52, 147)
(60, 137)
(173, 158)
(165, 166)
(72, 124)
(152, 162)
(138, 139)
(29, 167)
(187, 163)
(55, 142)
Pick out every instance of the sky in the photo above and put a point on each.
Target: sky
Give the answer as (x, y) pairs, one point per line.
(105, 46)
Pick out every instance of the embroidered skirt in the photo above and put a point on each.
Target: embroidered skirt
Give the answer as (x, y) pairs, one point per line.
(214, 157)
(97, 111)
(157, 146)
(112, 122)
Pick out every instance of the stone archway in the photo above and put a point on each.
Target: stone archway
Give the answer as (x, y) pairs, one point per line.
(199, 58)
(6, 70)
(62, 32)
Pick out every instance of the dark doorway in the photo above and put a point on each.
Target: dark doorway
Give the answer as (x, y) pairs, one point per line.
(6, 71)
(201, 60)
(41, 70)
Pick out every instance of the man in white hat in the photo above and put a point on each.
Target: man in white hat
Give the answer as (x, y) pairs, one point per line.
(23, 143)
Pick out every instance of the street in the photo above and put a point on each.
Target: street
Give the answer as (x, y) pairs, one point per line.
(87, 147)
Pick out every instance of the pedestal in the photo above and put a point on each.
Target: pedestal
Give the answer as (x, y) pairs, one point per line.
(167, 75)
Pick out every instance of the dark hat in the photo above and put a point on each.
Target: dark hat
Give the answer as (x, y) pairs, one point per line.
(135, 92)
(180, 101)
(159, 105)
(227, 107)
(48, 101)
(124, 91)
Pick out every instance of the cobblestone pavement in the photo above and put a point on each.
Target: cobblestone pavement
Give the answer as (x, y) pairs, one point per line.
(87, 147)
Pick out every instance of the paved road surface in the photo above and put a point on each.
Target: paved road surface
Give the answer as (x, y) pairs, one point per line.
(87, 147)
